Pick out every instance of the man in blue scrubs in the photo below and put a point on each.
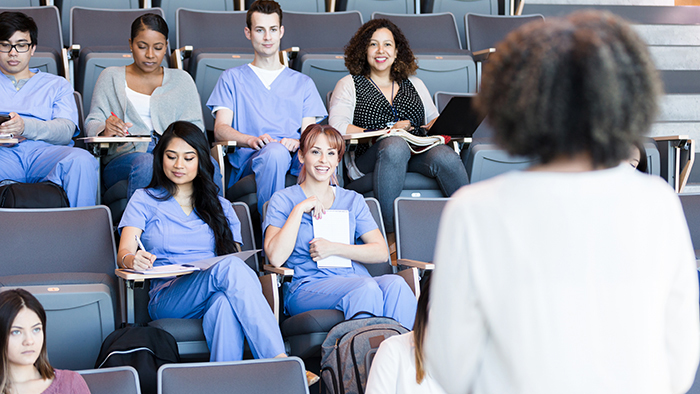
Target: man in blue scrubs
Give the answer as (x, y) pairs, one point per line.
(43, 116)
(264, 106)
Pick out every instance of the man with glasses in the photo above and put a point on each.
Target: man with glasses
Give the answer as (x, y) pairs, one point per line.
(43, 116)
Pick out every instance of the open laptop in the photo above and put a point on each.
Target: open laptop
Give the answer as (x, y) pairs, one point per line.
(458, 118)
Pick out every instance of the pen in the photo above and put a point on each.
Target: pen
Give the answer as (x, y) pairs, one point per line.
(140, 243)
(127, 132)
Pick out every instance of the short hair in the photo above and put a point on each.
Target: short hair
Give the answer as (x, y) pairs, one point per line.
(149, 21)
(562, 87)
(12, 22)
(308, 139)
(356, 51)
(264, 7)
(11, 303)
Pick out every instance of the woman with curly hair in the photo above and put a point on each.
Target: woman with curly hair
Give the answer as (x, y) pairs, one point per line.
(566, 287)
(380, 93)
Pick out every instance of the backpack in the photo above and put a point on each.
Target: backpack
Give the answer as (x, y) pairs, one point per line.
(32, 195)
(348, 351)
(144, 348)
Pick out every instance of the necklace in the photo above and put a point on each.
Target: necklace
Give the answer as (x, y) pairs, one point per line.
(391, 102)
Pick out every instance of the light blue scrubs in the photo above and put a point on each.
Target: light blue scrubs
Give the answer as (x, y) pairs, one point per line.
(227, 296)
(277, 112)
(350, 290)
(45, 97)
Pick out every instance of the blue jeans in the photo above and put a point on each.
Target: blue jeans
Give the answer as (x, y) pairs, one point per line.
(137, 168)
(389, 159)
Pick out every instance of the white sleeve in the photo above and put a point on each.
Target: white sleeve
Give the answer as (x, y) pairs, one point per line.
(456, 334)
(384, 374)
(342, 106)
(429, 107)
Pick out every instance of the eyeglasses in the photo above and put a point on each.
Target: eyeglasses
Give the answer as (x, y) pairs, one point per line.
(6, 47)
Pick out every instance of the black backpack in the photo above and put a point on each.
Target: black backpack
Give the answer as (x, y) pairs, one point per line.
(144, 348)
(348, 351)
(32, 195)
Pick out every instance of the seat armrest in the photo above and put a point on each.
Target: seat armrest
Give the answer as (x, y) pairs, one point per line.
(288, 54)
(66, 66)
(218, 151)
(284, 271)
(179, 55)
(100, 145)
(421, 265)
(269, 288)
(74, 51)
(410, 275)
(480, 56)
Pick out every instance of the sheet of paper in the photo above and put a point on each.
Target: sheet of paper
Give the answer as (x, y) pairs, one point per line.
(335, 227)
(193, 266)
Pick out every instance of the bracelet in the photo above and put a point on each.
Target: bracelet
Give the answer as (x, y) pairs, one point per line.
(124, 257)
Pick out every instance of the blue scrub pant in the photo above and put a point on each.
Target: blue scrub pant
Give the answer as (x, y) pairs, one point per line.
(74, 169)
(270, 165)
(137, 169)
(229, 298)
(386, 295)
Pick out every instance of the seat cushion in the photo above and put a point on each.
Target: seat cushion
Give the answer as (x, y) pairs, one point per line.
(413, 181)
(184, 330)
(116, 192)
(319, 320)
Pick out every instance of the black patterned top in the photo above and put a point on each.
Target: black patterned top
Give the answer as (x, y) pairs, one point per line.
(373, 111)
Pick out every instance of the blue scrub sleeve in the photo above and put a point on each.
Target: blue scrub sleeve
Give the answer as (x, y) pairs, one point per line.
(278, 210)
(223, 95)
(64, 105)
(313, 104)
(137, 211)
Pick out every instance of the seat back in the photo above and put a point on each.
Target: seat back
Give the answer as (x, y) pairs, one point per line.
(170, 8)
(48, 56)
(22, 3)
(367, 7)
(417, 221)
(243, 214)
(437, 31)
(382, 268)
(66, 6)
(297, 5)
(103, 35)
(219, 43)
(278, 375)
(57, 240)
(321, 55)
(484, 31)
(116, 380)
(486, 160)
(459, 8)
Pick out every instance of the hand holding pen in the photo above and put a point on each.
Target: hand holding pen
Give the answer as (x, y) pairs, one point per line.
(142, 259)
(115, 127)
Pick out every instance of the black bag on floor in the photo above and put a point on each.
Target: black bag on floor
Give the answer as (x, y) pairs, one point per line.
(348, 351)
(32, 195)
(144, 348)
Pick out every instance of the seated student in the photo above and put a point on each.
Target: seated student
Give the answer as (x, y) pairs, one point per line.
(25, 364)
(140, 99)
(289, 239)
(577, 275)
(180, 219)
(43, 117)
(398, 366)
(381, 92)
(263, 106)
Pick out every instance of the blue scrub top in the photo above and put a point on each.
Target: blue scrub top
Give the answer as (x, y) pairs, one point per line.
(170, 234)
(305, 269)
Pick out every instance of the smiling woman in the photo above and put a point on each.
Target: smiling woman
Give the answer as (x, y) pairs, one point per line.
(24, 364)
(289, 239)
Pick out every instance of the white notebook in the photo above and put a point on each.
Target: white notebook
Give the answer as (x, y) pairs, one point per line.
(334, 226)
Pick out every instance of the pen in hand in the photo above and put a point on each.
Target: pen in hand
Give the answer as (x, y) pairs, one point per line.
(127, 132)
(142, 248)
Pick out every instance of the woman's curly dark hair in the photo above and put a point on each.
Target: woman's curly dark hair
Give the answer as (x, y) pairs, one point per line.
(356, 51)
(581, 84)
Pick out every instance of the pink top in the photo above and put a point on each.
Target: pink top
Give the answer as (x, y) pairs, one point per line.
(67, 382)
